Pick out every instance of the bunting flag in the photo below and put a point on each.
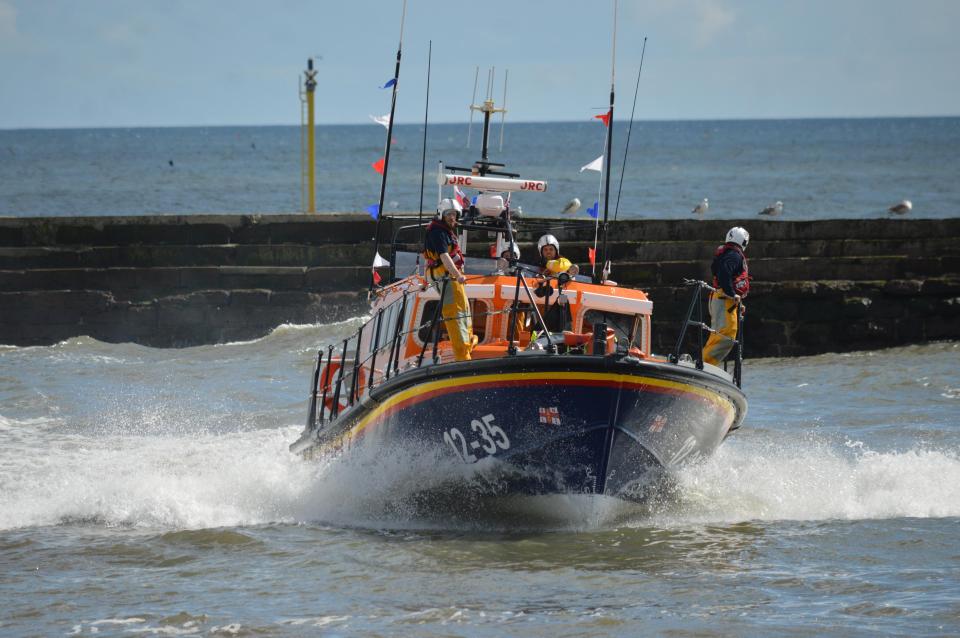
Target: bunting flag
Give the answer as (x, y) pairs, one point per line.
(374, 210)
(382, 120)
(594, 211)
(378, 165)
(461, 197)
(605, 118)
(592, 254)
(379, 262)
(595, 165)
(389, 83)
(376, 277)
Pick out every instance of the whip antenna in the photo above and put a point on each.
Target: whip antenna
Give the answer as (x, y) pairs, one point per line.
(476, 79)
(503, 114)
(423, 157)
(606, 189)
(386, 152)
(623, 170)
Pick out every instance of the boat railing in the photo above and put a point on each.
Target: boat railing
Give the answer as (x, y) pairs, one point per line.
(338, 387)
(695, 318)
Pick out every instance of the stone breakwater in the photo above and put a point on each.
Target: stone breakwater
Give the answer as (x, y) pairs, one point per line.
(174, 281)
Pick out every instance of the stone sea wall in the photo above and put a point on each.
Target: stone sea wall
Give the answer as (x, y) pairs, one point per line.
(175, 281)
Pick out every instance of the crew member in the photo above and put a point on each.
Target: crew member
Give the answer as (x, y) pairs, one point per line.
(732, 283)
(443, 257)
(507, 254)
(557, 315)
(551, 263)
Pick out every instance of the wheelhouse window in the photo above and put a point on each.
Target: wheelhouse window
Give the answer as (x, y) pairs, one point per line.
(479, 310)
(626, 328)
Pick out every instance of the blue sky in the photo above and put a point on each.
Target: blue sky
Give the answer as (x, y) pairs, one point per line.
(91, 63)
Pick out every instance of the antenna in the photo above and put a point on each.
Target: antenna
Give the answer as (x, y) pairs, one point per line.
(488, 109)
(386, 152)
(423, 158)
(503, 114)
(476, 78)
(626, 148)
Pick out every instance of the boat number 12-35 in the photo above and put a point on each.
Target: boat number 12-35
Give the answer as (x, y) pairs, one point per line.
(492, 438)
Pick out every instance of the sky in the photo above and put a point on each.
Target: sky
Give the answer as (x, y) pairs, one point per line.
(127, 63)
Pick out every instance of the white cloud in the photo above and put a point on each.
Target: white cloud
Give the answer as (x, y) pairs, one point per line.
(8, 20)
(712, 19)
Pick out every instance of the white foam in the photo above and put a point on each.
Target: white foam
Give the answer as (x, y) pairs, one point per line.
(181, 478)
(760, 479)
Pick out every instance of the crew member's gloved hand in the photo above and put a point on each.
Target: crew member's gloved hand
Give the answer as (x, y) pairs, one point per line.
(544, 290)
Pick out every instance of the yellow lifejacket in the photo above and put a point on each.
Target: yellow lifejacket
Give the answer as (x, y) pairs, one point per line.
(558, 265)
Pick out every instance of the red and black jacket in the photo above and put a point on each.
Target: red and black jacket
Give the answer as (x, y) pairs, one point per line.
(729, 268)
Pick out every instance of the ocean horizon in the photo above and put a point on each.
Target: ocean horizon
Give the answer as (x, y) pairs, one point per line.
(820, 168)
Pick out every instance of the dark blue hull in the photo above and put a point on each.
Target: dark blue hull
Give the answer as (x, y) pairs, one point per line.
(543, 424)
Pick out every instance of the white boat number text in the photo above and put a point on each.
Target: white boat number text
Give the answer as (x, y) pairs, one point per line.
(492, 439)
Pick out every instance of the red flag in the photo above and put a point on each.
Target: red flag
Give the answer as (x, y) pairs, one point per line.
(462, 197)
(592, 254)
(493, 250)
(376, 277)
(605, 118)
(378, 166)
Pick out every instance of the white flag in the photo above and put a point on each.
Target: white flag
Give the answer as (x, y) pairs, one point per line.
(382, 120)
(379, 261)
(595, 165)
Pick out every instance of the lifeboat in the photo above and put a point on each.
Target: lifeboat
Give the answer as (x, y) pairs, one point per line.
(562, 394)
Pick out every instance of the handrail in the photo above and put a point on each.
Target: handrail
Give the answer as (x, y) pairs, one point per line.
(696, 303)
(326, 385)
(312, 415)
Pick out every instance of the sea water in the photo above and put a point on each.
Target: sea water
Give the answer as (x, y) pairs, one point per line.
(150, 492)
(819, 169)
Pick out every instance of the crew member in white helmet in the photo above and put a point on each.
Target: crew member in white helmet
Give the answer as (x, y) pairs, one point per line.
(443, 257)
(551, 263)
(732, 282)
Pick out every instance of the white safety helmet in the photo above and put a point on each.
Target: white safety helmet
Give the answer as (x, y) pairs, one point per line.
(548, 240)
(515, 250)
(738, 236)
(448, 204)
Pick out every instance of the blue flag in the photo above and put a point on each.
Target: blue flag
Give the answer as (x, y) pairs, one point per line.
(389, 83)
(374, 210)
(594, 210)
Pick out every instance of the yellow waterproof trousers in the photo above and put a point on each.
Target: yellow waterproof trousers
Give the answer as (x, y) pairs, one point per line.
(455, 308)
(724, 320)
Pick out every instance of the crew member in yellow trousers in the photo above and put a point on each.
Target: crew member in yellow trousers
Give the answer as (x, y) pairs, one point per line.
(443, 256)
(732, 282)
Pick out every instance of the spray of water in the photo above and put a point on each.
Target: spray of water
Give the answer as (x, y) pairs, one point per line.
(200, 480)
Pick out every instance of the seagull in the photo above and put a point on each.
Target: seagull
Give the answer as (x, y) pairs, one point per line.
(701, 208)
(572, 206)
(902, 208)
(773, 211)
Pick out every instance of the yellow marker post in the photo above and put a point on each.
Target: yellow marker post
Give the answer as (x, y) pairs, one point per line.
(310, 83)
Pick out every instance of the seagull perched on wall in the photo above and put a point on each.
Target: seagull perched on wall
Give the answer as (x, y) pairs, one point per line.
(701, 208)
(902, 208)
(773, 211)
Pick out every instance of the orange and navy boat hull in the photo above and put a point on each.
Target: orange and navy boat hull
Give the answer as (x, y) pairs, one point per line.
(551, 424)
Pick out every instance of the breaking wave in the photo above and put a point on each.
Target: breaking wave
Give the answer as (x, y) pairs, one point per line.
(206, 479)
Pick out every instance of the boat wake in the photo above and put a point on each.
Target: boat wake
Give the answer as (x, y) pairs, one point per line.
(202, 479)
